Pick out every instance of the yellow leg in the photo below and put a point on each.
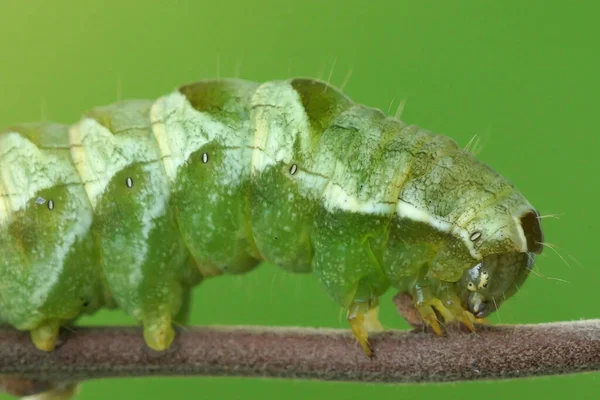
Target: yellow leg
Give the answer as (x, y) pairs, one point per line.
(372, 320)
(45, 336)
(356, 319)
(430, 318)
(158, 332)
(446, 304)
(423, 300)
(449, 300)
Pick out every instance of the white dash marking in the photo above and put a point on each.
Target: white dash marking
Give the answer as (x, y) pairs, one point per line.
(335, 197)
(408, 211)
(474, 236)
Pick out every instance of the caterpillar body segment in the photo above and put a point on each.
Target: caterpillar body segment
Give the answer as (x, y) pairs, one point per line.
(140, 200)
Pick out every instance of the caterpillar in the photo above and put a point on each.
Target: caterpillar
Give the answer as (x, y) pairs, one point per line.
(141, 200)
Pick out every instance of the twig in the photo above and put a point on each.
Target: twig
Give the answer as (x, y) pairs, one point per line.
(493, 353)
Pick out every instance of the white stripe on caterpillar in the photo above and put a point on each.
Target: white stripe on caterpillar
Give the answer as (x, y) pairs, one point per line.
(181, 130)
(348, 190)
(155, 193)
(24, 172)
(99, 155)
(409, 211)
(336, 197)
(278, 116)
(78, 230)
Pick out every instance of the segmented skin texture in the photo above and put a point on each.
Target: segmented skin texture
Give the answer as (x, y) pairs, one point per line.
(140, 200)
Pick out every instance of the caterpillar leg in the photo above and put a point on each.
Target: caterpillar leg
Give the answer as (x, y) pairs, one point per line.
(424, 302)
(372, 320)
(45, 336)
(448, 299)
(445, 305)
(356, 319)
(363, 318)
(159, 332)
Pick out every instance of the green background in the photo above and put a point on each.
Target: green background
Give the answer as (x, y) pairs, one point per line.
(522, 74)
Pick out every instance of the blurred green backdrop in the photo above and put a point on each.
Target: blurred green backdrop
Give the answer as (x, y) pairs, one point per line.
(524, 75)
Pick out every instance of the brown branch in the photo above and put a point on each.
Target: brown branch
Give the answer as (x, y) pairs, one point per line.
(493, 353)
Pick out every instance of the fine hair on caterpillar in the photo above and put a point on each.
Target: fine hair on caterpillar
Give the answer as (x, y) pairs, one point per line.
(141, 200)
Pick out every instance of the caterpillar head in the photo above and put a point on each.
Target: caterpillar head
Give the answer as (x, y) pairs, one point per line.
(498, 276)
(506, 226)
(485, 286)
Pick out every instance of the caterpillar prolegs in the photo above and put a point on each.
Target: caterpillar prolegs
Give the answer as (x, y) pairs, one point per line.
(140, 200)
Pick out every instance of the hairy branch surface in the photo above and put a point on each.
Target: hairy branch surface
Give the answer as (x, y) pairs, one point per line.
(497, 352)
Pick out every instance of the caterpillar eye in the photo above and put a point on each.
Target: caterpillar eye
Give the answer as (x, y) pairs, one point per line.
(530, 222)
(483, 281)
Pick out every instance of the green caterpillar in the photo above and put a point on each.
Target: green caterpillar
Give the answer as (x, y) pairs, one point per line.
(139, 201)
